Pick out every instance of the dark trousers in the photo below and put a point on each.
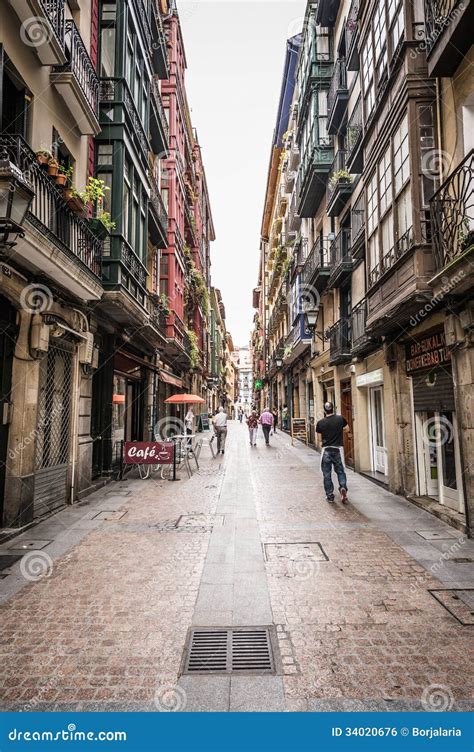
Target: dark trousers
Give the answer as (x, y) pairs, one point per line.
(266, 432)
(332, 459)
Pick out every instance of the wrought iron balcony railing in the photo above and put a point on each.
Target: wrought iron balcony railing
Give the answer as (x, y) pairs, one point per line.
(338, 83)
(80, 65)
(452, 213)
(116, 90)
(340, 180)
(340, 341)
(49, 212)
(403, 244)
(341, 248)
(319, 259)
(357, 221)
(54, 11)
(359, 320)
(351, 31)
(437, 18)
(354, 134)
(155, 90)
(157, 202)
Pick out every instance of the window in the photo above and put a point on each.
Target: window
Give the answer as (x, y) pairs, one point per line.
(372, 213)
(368, 75)
(385, 181)
(401, 155)
(126, 203)
(404, 212)
(107, 53)
(105, 154)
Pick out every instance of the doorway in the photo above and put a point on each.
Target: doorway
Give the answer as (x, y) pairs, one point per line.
(377, 430)
(439, 464)
(346, 412)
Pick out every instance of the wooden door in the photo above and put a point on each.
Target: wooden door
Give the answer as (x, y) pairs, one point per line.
(346, 412)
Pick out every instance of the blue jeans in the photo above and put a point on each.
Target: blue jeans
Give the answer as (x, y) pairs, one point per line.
(332, 458)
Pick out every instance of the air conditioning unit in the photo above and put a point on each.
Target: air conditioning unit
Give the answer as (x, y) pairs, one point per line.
(86, 349)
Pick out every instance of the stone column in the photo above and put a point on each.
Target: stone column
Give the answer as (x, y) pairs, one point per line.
(463, 375)
(21, 457)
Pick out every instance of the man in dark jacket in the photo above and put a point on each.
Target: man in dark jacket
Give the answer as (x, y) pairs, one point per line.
(331, 429)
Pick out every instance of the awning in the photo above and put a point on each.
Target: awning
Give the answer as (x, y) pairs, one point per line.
(168, 378)
(127, 361)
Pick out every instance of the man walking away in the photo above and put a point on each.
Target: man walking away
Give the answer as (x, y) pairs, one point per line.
(331, 429)
(266, 419)
(275, 419)
(252, 422)
(220, 427)
(284, 417)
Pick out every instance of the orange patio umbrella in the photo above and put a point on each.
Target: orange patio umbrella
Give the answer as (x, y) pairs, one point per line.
(184, 399)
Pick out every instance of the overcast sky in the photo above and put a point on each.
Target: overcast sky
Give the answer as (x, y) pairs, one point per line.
(235, 52)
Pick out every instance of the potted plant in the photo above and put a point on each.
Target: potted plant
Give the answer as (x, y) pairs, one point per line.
(102, 224)
(53, 167)
(43, 156)
(64, 175)
(342, 176)
(74, 200)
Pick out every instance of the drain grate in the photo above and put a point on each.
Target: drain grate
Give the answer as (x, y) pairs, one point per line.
(230, 650)
(459, 602)
(200, 520)
(29, 545)
(297, 551)
(111, 516)
(437, 534)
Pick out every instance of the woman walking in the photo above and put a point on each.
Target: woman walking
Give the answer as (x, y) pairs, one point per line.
(252, 422)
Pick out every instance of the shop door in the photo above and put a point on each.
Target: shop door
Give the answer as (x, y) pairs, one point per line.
(346, 412)
(53, 433)
(438, 457)
(8, 332)
(377, 429)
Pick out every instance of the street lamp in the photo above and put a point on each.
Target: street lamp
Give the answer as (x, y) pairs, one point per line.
(15, 200)
(278, 362)
(311, 318)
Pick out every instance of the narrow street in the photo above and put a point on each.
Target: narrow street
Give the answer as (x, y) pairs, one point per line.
(97, 617)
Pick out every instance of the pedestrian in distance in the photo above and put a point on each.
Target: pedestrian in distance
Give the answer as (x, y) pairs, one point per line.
(252, 423)
(266, 421)
(275, 419)
(284, 417)
(189, 423)
(241, 415)
(220, 427)
(331, 429)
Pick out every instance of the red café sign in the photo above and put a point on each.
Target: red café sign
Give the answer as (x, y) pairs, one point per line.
(148, 453)
(429, 351)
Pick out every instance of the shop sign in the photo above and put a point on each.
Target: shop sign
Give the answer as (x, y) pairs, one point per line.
(428, 351)
(148, 453)
(371, 378)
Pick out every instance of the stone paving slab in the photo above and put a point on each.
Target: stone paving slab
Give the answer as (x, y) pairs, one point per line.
(105, 627)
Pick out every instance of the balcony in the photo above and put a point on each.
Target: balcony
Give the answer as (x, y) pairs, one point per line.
(43, 25)
(358, 227)
(452, 221)
(118, 111)
(448, 34)
(297, 341)
(352, 35)
(338, 96)
(294, 220)
(340, 185)
(158, 224)
(354, 133)
(317, 267)
(124, 279)
(340, 344)
(326, 13)
(159, 52)
(77, 83)
(58, 242)
(402, 246)
(362, 343)
(318, 70)
(312, 178)
(341, 258)
(159, 130)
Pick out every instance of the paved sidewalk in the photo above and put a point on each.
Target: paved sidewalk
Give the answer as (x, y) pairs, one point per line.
(105, 627)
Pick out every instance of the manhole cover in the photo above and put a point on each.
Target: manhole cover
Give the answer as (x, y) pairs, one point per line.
(230, 650)
(294, 551)
(112, 516)
(459, 602)
(436, 534)
(29, 545)
(200, 520)
(8, 560)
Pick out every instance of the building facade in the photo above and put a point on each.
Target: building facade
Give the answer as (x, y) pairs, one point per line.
(105, 286)
(379, 267)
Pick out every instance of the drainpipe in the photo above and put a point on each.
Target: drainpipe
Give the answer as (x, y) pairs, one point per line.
(75, 423)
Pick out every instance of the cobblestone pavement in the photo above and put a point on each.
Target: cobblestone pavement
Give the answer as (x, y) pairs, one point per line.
(97, 619)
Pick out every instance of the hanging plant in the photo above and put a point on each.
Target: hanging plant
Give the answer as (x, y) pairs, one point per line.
(193, 348)
(196, 290)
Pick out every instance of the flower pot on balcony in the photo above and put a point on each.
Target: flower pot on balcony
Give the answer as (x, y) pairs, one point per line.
(98, 228)
(53, 167)
(61, 179)
(43, 157)
(75, 203)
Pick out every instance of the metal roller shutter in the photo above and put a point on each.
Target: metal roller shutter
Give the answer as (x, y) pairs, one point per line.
(434, 391)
